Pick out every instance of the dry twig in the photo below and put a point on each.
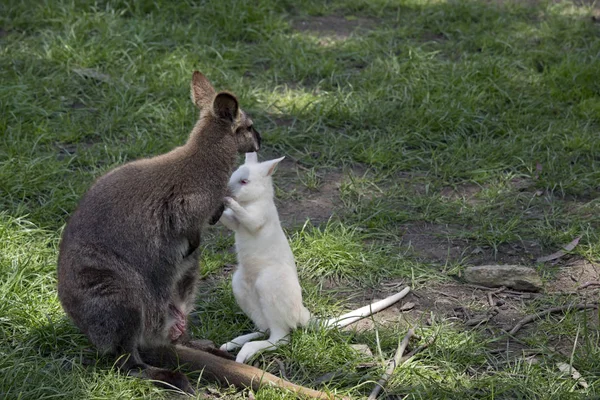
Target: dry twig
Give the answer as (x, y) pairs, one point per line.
(391, 365)
(419, 349)
(505, 291)
(588, 284)
(491, 294)
(552, 310)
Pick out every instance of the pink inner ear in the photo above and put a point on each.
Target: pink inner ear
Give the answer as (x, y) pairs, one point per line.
(272, 165)
(272, 169)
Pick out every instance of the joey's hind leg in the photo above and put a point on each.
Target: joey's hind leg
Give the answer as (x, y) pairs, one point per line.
(277, 338)
(240, 341)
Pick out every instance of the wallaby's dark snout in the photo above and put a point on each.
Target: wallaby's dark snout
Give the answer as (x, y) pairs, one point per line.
(257, 139)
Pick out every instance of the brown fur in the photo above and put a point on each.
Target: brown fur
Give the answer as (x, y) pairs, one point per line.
(128, 259)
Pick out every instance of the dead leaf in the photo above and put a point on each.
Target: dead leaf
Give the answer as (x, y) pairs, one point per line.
(568, 369)
(566, 248)
(92, 74)
(407, 306)
(362, 349)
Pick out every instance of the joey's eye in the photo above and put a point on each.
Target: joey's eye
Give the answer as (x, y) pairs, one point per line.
(244, 181)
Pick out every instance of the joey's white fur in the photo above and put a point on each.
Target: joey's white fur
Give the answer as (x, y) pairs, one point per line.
(265, 283)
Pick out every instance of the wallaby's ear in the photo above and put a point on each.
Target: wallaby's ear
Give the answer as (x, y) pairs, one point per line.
(225, 106)
(269, 166)
(251, 158)
(201, 91)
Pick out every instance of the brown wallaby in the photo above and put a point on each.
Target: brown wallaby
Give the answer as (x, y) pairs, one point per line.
(128, 259)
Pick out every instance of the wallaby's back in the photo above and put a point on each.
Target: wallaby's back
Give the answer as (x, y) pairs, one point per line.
(128, 260)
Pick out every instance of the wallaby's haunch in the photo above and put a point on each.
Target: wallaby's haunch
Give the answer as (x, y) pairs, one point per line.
(128, 259)
(265, 283)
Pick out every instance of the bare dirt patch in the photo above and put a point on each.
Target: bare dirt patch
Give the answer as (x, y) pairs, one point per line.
(447, 301)
(333, 26)
(441, 244)
(66, 150)
(299, 202)
(433, 242)
(573, 274)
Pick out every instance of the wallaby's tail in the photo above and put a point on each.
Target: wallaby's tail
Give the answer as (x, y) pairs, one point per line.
(365, 311)
(222, 370)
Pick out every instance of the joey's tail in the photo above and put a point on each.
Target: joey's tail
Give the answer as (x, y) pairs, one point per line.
(365, 311)
(224, 371)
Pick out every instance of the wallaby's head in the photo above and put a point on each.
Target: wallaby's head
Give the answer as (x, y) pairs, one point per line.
(252, 180)
(223, 107)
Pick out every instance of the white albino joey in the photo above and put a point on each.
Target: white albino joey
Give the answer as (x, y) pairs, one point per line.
(265, 283)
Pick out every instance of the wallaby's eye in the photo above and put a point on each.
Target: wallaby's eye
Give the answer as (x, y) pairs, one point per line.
(244, 181)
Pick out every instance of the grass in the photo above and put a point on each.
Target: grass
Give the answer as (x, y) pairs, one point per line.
(477, 120)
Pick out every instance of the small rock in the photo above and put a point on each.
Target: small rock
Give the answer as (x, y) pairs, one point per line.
(516, 277)
(568, 369)
(362, 349)
(477, 250)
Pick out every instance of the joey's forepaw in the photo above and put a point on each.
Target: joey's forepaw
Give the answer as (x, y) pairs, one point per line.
(229, 346)
(228, 201)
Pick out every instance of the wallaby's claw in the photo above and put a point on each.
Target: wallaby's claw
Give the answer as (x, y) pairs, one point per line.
(217, 215)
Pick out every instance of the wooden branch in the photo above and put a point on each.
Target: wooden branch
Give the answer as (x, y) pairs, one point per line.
(391, 365)
(533, 317)
(588, 284)
(419, 349)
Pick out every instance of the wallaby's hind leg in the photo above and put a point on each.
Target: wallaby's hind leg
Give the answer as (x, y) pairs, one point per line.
(240, 341)
(132, 363)
(277, 338)
(118, 329)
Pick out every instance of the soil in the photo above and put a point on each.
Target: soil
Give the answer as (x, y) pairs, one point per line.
(316, 205)
(438, 244)
(335, 26)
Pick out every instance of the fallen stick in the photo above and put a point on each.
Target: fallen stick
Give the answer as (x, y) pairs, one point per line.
(588, 284)
(419, 349)
(505, 290)
(491, 294)
(391, 365)
(366, 311)
(533, 317)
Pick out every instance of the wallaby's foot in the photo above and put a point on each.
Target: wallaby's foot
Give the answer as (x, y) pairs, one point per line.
(163, 378)
(209, 347)
(200, 344)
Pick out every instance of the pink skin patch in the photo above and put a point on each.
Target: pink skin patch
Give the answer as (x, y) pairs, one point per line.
(180, 325)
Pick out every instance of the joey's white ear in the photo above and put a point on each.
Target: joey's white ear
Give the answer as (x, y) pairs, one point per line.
(251, 158)
(269, 166)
